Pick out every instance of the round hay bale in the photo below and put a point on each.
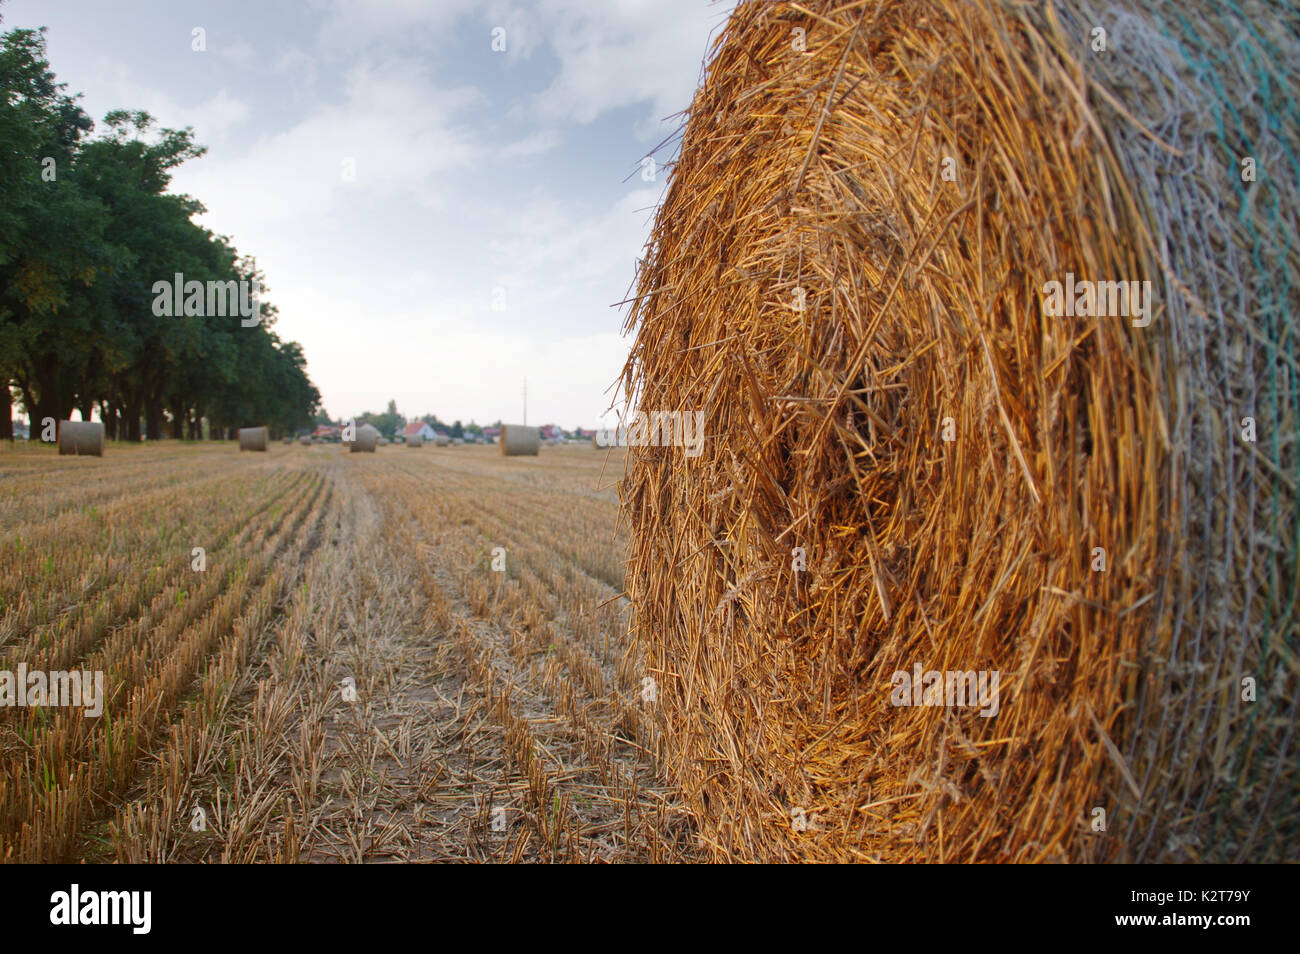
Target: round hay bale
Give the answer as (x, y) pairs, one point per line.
(925, 459)
(81, 438)
(414, 440)
(365, 440)
(252, 438)
(519, 440)
(441, 440)
(305, 440)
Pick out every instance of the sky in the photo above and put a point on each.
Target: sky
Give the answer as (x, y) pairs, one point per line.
(437, 219)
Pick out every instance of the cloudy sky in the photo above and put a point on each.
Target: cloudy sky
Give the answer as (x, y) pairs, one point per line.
(436, 219)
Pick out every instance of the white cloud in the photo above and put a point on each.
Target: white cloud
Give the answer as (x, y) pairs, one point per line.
(533, 145)
(524, 33)
(240, 52)
(351, 26)
(395, 133)
(299, 69)
(554, 253)
(214, 118)
(620, 52)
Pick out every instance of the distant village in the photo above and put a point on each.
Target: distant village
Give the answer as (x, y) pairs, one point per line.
(395, 427)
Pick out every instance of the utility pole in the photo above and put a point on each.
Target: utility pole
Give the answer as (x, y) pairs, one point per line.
(525, 400)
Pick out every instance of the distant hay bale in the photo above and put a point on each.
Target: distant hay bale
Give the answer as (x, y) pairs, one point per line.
(252, 438)
(365, 440)
(414, 440)
(305, 439)
(441, 440)
(81, 438)
(287, 440)
(519, 440)
(914, 460)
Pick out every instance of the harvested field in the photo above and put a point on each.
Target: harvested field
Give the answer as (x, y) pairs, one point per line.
(498, 713)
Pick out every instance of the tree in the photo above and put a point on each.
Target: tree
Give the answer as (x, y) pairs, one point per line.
(388, 423)
(52, 240)
(86, 231)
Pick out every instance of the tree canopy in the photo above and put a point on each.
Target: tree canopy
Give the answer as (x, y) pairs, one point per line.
(88, 230)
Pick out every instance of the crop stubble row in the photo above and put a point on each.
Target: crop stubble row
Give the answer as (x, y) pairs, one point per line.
(484, 696)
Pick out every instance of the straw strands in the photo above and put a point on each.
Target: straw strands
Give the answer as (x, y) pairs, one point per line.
(910, 462)
(81, 438)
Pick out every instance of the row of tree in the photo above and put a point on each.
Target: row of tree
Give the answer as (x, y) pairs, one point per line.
(87, 230)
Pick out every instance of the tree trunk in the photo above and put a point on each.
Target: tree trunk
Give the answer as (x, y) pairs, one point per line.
(46, 404)
(106, 418)
(178, 420)
(131, 408)
(6, 414)
(154, 419)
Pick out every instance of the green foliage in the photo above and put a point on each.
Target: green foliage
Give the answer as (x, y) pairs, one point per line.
(388, 424)
(86, 230)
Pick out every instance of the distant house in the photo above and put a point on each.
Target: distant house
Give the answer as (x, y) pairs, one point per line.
(492, 434)
(328, 432)
(551, 432)
(421, 428)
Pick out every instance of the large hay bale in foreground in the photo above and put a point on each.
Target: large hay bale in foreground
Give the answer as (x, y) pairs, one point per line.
(914, 461)
(365, 440)
(81, 438)
(520, 440)
(253, 438)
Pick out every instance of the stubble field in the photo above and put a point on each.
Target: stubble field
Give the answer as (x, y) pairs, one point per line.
(340, 674)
